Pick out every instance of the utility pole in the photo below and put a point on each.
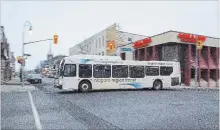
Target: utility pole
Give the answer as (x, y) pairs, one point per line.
(196, 66)
(55, 39)
(27, 23)
(198, 47)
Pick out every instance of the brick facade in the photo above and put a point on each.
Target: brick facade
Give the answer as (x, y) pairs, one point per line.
(7, 59)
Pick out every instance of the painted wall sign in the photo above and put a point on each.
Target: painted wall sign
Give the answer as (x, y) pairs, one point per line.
(187, 37)
(142, 43)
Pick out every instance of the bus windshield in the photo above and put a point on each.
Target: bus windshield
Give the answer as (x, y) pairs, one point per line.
(61, 67)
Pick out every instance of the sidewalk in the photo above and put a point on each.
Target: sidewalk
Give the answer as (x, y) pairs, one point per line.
(15, 85)
(17, 88)
(193, 87)
(15, 81)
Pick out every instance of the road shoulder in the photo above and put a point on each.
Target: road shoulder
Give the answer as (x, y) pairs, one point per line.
(17, 88)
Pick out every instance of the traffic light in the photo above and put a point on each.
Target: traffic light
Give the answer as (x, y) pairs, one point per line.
(199, 44)
(111, 45)
(55, 39)
(19, 60)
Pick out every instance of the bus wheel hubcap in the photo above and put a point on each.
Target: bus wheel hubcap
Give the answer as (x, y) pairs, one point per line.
(85, 86)
(157, 85)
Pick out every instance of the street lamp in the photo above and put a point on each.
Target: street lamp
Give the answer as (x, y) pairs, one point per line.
(30, 30)
(27, 23)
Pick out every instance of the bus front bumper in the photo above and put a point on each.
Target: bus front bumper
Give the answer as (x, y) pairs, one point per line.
(58, 86)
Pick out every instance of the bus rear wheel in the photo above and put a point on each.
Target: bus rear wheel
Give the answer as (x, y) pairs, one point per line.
(85, 86)
(157, 85)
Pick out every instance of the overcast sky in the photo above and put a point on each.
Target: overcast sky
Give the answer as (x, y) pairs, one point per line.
(74, 21)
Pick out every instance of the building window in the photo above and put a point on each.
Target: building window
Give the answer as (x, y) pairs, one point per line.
(119, 71)
(123, 56)
(103, 41)
(85, 71)
(102, 71)
(96, 43)
(152, 70)
(136, 71)
(103, 53)
(99, 42)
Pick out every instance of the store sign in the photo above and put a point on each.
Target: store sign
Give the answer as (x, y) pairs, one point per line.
(126, 49)
(186, 37)
(142, 43)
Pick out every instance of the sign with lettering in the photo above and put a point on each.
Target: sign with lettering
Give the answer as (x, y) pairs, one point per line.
(187, 37)
(126, 49)
(142, 43)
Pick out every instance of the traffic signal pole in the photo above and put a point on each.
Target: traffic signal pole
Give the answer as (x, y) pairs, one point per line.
(55, 39)
(37, 41)
(23, 65)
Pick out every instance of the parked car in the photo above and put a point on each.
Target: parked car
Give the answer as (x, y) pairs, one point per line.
(50, 76)
(34, 78)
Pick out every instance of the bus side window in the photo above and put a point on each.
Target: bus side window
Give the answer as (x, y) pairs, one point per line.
(85, 71)
(102, 71)
(166, 70)
(69, 70)
(119, 71)
(152, 70)
(136, 71)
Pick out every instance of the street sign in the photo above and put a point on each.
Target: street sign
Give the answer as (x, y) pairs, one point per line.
(126, 49)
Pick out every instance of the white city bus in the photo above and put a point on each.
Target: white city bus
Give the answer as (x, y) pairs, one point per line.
(92, 72)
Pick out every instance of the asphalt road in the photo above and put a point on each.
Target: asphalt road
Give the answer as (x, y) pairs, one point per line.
(127, 109)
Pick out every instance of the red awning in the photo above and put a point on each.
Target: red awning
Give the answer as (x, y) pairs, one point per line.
(141, 43)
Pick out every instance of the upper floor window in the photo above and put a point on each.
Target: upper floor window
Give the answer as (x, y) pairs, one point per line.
(99, 42)
(103, 41)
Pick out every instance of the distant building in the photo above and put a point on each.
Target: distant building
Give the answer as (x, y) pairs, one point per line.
(98, 43)
(179, 46)
(7, 61)
(13, 60)
(56, 60)
(47, 66)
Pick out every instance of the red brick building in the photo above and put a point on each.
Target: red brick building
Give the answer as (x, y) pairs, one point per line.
(181, 47)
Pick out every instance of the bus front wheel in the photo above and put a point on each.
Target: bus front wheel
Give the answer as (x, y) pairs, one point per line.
(157, 85)
(85, 86)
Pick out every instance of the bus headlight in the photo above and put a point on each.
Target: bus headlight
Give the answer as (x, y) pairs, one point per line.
(60, 82)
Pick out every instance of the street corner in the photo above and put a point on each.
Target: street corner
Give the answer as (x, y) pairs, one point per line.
(192, 88)
(17, 88)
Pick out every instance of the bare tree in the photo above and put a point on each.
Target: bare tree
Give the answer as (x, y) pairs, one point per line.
(84, 48)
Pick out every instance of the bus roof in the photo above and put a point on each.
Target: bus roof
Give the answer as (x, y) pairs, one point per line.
(95, 57)
(84, 59)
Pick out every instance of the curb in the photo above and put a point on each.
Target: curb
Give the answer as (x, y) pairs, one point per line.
(194, 88)
(14, 83)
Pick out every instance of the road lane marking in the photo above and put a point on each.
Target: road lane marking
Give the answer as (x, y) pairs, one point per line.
(34, 110)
